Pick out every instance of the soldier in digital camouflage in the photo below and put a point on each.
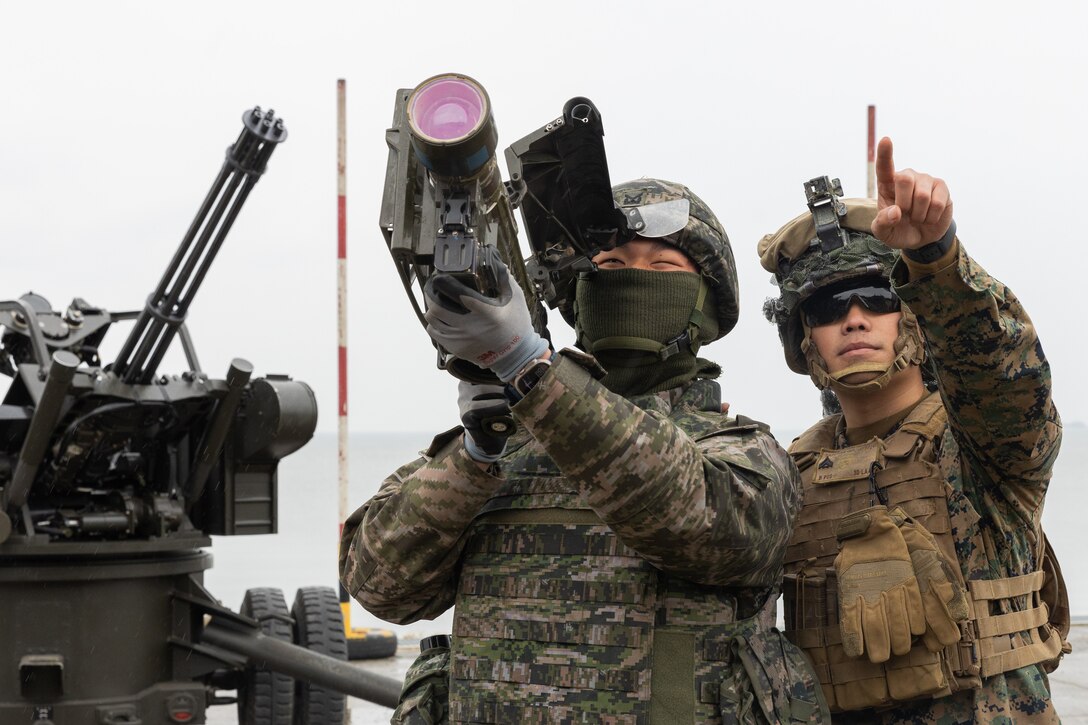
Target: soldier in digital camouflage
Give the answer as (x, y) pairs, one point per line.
(618, 559)
(918, 579)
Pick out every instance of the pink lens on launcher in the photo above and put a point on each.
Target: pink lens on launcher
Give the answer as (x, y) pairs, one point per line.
(446, 109)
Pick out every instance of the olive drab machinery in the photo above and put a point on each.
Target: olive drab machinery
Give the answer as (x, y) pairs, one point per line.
(112, 479)
(446, 210)
(559, 179)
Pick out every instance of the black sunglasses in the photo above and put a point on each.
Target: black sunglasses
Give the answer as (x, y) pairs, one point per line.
(832, 303)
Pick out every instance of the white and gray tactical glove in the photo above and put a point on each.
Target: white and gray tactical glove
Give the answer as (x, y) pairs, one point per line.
(485, 413)
(494, 333)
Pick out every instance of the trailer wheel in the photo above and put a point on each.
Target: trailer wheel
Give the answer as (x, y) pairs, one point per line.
(266, 697)
(319, 626)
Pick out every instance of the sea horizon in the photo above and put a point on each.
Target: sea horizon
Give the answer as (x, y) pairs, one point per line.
(304, 551)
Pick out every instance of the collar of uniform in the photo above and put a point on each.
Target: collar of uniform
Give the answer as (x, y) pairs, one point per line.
(695, 395)
(877, 429)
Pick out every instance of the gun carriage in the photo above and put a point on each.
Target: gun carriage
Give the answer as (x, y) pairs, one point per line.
(114, 476)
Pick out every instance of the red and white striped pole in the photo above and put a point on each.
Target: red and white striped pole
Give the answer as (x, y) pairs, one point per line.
(342, 318)
(871, 186)
(364, 642)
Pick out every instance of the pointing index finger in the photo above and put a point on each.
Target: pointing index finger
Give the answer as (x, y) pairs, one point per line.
(885, 168)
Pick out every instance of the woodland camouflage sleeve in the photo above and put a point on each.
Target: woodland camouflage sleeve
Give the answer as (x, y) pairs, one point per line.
(399, 551)
(993, 376)
(715, 512)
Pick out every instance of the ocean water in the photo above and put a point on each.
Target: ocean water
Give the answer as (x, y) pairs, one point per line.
(303, 553)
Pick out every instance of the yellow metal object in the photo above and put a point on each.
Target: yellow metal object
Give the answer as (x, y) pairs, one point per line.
(345, 609)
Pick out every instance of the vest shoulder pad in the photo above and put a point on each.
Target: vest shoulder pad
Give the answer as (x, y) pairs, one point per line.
(818, 437)
(442, 440)
(740, 424)
(928, 419)
(743, 420)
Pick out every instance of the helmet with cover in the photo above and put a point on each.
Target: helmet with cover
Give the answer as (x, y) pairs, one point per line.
(802, 269)
(672, 213)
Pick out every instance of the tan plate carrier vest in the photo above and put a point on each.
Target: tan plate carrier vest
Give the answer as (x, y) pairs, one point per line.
(1032, 628)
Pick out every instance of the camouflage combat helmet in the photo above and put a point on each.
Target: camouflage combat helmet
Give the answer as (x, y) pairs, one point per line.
(795, 256)
(700, 236)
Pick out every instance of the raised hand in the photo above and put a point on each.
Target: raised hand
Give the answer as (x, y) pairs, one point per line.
(913, 209)
(495, 333)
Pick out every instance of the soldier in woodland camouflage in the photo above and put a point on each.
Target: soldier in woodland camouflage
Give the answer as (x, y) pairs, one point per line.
(918, 579)
(618, 559)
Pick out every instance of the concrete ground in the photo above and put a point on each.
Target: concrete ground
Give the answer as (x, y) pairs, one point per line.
(1069, 685)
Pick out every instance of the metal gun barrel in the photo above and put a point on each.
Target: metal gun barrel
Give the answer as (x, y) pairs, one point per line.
(238, 375)
(304, 664)
(166, 308)
(182, 305)
(194, 228)
(42, 423)
(140, 329)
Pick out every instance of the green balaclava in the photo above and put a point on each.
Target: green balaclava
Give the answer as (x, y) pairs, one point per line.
(645, 327)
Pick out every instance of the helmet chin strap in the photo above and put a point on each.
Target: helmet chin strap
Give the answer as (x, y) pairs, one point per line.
(908, 345)
(887, 371)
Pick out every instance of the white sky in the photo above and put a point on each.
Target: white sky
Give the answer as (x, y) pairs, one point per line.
(116, 114)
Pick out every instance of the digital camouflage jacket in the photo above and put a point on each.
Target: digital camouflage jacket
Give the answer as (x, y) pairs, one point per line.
(619, 565)
(995, 456)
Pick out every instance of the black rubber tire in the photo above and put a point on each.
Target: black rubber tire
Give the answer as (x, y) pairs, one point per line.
(319, 626)
(266, 697)
(373, 644)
